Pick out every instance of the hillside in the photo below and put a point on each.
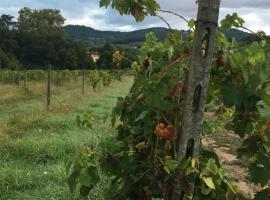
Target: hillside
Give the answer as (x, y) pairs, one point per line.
(90, 35)
(237, 34)
(133, 38)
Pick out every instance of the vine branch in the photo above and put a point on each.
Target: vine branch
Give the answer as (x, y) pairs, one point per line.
(253, 32)
(176, 14)
(166, 68)
(169, 26)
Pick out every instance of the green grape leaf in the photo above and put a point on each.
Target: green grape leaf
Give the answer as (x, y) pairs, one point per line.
(232, 21)
(232, 187)
(232, 96)
(263, 72)
(255, 53)
(172, 164)
(236, 60)
(142, 116)
(264, 96)
(263, 109)
(93, 173)
(205, 190)
(260, 170)
(72, 180)
(245, 73)
(136, 130)
(210, 169)
(138, 9)
(222, 39)
(140, 146)
(263, 195)
(207, 154)
(209, 182)
(191, 24)
(249, 147)
(85, 179)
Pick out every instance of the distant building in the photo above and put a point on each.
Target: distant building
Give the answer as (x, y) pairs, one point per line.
(118, 57)
(94, 55)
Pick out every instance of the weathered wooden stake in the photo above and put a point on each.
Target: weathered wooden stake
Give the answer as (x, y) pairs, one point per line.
(197, 84)
(57, 78)
(83, 80)
(25, 78)
(49, 86)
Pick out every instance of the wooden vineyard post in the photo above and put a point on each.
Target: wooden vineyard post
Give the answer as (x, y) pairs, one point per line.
(25, 78)
(49, 86)
(189, 139)
(57, 78)
(83, 80)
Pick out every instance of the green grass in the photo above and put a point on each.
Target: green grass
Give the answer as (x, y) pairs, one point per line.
(32, 158)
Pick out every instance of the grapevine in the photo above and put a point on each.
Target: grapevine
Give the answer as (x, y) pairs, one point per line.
(140, 162)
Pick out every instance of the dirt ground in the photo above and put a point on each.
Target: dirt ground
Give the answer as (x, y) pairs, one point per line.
(225, 145)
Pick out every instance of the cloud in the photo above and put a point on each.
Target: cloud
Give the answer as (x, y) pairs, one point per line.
(255, 18)
(87, 12)
(70, 8)
(262, 4)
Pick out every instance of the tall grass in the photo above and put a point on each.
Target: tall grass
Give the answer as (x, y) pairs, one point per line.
(34, 141)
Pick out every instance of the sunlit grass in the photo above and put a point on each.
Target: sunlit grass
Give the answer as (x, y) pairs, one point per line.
(34, 141)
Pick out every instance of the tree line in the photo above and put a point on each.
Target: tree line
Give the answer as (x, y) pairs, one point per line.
(37, 38)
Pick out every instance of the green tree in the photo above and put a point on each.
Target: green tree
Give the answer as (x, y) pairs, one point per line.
(8, 60)
(40, 20)
(106, 57)
(6, 21)
(40, 33)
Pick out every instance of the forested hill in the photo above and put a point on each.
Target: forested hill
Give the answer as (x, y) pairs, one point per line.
(90, 35)
(84, 33)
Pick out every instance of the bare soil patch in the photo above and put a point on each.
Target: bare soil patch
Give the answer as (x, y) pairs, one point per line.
(225, 145)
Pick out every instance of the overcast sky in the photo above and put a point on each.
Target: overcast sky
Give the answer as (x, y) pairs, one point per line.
(256, 13)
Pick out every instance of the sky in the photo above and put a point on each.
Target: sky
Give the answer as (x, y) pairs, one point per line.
(256, 13)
